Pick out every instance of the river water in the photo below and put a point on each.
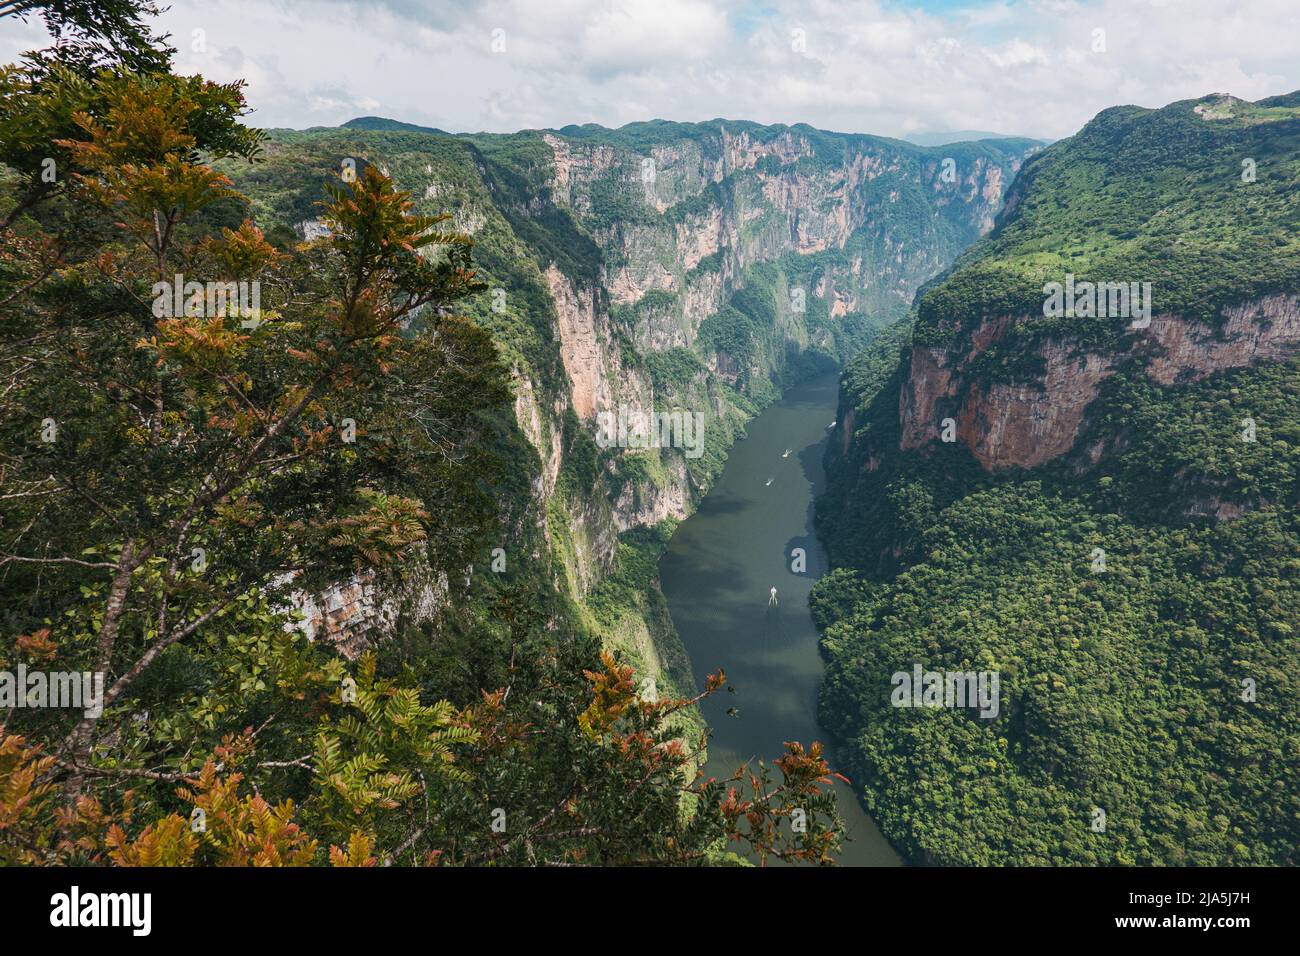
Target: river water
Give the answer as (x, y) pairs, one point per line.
(718, 573)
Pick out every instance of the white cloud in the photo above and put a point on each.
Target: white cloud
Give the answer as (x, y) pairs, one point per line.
(1017, 53)
(650, 35)
(1016, 66)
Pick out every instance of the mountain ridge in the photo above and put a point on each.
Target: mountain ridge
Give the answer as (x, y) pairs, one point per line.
(593, 130)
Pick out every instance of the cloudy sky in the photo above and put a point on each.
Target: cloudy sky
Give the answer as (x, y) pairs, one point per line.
(1034, 67)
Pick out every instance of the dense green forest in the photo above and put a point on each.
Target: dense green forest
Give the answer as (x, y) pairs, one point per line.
(1138, 595)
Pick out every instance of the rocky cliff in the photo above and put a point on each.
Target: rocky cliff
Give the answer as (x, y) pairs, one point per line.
(1168, 202)
(1026, 424)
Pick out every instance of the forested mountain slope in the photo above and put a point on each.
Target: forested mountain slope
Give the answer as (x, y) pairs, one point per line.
(1099, 504)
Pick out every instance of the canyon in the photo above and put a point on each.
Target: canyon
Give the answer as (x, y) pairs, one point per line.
(700, 268)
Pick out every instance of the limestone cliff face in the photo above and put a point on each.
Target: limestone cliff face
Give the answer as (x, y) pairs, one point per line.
(350, 615)
(1265, 330)
(649, 503)
(531, 417)
(584, 345)
(1025, 424)
(695, 215)
(848, 228)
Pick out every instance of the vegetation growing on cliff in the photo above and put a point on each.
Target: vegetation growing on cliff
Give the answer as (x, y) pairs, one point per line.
(1137, 595)
(1205, 210)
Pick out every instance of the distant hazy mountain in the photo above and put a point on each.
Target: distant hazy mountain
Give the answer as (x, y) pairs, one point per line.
(383, 123)
(944, 137)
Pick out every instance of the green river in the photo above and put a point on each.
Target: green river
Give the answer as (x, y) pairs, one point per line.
(718, 573)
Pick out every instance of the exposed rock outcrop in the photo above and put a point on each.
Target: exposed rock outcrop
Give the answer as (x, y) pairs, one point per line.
(1025, 424)
(353, 614)
(584, 344)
